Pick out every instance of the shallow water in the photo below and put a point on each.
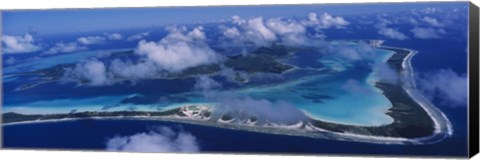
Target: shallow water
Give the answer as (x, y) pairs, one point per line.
(322, 95)
(46, 62)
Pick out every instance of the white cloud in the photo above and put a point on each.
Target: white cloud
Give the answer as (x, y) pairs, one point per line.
(80, 43)
(430, 10)
(294, 39)
(282, 27)
(97, 73)
(92, 70)
(62, 47)
(385, 73)
(237, 20)
(263, 32)
(138, 36)
(445, 85)
(206, 83)
(326, 21)
(176, 56)
(91, 40)
(347, 53)
(114, 36)
(249, 31)
(232, 75)
(382, 22)
(197, 33)
(257, 27)
(272, 111)
(392, 33)
(159, 139)
(427, 33)
(291, 32)
(413, 21)
(231, 32)
(19, 44)
(432, 21)
(318, 36)
(133, 71)
(384, 30)
(179, 51)
(351, 54)
(313, 17)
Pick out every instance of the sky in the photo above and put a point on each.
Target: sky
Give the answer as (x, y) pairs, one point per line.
(18, 22)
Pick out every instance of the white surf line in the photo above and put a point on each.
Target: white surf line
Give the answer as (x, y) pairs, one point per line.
(442, 124)
(432, 111)
(347, 136)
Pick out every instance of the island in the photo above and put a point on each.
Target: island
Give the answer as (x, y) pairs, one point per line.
(415, 120)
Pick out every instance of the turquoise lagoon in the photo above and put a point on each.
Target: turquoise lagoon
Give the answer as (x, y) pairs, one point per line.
(326, 88)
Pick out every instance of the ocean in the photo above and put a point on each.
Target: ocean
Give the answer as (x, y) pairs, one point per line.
(92, 134)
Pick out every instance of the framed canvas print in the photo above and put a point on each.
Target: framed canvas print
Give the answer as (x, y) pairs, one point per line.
(379, 79)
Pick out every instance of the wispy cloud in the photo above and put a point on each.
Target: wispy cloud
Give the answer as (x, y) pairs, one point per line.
(62, 47)
(427, 33)
(446, 86)
(348, 53)
(430, 10)
(138, 36)
(432, 21)
(326, 21)
(356, 87)
(384, 29)
(385, 73)
(158, 139)
(19, 44)
(276, 111)
(81, 43)
(114, 36)
(91, 40)
(392, 33)
(206, 83)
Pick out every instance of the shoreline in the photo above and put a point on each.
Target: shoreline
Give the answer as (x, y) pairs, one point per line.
(318, 131)
(442, 127)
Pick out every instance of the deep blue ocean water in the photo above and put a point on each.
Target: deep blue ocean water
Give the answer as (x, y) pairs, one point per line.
(93, 135)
